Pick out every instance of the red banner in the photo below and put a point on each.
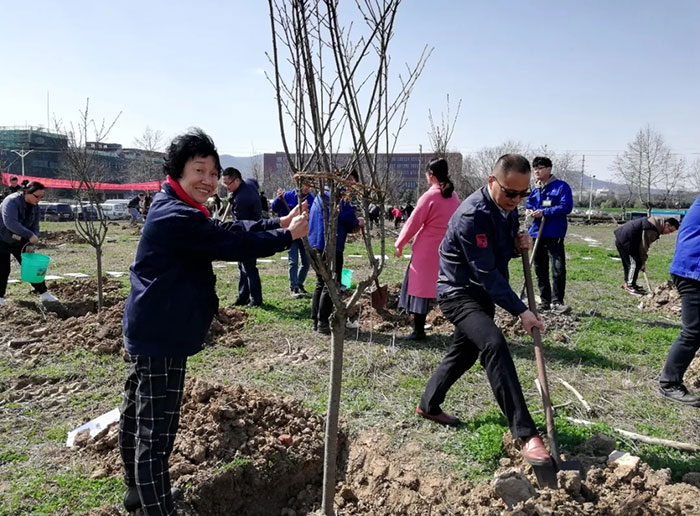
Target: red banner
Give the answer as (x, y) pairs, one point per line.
(67, 183)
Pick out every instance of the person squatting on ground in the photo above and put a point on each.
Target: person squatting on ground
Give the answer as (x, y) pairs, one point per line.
(321, 303)
(427, 223)
(244, 204)
(171, 305)
(686, 276)
(19, 226)
(134, 206)
(283, 203)
(632, 240)
(482, 237)
(550, 201)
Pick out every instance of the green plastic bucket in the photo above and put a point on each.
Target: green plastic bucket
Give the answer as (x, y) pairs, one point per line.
(346, 278)
(34, 266)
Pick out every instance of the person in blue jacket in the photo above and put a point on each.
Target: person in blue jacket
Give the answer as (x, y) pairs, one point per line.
(171, 305)
(482, 237)
(19, 227)
(283, 203)
(685, 272)
(550, 201)
(244, 204)
(322, 304)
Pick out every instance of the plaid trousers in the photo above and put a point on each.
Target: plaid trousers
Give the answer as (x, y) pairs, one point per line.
(150, 415)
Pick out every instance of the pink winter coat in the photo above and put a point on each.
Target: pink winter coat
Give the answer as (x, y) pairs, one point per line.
(428, 223)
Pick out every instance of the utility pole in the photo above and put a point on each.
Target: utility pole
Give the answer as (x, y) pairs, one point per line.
(22, 153)
(583, 168)
(590, 200)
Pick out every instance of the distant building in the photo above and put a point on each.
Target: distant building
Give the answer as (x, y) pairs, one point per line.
(407, 167)
(47, 151)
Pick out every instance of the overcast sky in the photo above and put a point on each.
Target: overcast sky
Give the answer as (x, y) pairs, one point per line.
(581, 76)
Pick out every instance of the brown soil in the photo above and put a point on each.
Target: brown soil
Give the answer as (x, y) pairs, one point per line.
(665, 299)
(559, 327)
(56, 238)
(237, 452)
(74, 322)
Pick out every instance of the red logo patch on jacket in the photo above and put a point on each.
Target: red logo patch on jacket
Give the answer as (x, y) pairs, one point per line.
(482, 240)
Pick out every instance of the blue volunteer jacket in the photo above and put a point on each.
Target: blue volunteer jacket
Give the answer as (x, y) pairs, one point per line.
(290, 196)
(18, 217)
(562, 202)
(246, 201)
(347, 222)
(172, 299)
(686, 259)
(475, 252)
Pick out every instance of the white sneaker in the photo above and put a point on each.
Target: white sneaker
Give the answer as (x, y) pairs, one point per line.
(48, 297)
(353, 325)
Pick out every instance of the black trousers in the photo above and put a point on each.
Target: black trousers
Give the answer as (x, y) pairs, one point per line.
(150, 416)
(321, 303)
(631, 264)
(551, 249)
(477, 336)
(15, 250)
(249, 286)
(685, 347)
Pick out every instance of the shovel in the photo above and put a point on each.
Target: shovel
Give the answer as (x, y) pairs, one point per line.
(534, 252)
(380, 294)
(546, 474)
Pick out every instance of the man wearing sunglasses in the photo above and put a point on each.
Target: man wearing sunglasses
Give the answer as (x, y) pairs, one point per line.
(549, 204)
(482, 237)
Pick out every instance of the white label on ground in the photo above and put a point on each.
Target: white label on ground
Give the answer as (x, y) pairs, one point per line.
(13, 281)
(76, 274)
(95, 426)
(587, 258)
(407, 255)
(615, 258)
(265, 261)
(284, 257)
(115, 274)
(50, 277)
(354, 256)
(220, 266)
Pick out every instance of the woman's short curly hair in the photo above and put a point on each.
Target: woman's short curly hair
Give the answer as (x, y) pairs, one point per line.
(184, 147)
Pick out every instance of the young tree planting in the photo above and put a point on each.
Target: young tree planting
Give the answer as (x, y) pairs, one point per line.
(84, 168)
(333, 90)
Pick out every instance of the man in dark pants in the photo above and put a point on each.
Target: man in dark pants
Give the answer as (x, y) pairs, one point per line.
(482, 237)
(686, 276)
(551, 201)
(632, 240)
(244, 204)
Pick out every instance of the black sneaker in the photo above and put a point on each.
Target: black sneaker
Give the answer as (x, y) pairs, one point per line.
(302, 290)
(415, 337)
(254, 304)
(680, 394)
(240, 302)
(544, 307)
(323, 328)
(632, 289)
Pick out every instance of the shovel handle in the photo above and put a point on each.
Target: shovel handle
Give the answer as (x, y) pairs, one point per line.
(539, 360)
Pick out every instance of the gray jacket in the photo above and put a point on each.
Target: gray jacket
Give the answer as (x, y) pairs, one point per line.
(18, 217)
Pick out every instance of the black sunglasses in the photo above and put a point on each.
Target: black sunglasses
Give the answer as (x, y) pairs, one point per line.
(511, 194)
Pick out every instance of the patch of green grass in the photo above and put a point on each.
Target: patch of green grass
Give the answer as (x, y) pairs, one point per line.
(238, 462)
(8, 455)
(57, 433)
(35, 491)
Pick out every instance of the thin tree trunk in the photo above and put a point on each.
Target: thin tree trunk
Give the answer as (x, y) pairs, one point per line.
(331, 441)
(100, 299)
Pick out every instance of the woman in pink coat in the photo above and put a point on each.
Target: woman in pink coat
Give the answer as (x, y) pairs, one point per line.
(428, 224)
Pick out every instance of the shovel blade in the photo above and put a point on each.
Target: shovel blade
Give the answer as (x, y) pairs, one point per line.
(572, 465)
(379, 297)
(546, 475)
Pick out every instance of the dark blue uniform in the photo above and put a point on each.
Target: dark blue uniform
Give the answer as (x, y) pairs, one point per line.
(474, 258)
(246, 205)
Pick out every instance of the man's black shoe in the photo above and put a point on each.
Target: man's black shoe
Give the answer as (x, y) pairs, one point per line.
(240, 301)
(415, 336)
(254, 303)
(302, 290)
(132, 502)
(680, 394)
(324, 328)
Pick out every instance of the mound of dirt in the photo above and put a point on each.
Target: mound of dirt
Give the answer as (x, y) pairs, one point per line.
(237, 452)
(665, 299)
(56, 238)
(559, 327)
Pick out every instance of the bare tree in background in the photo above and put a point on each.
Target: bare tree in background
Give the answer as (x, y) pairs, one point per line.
(257, 168)
(478, 166)
(332, 87)
(694, 176)
(85, 168)
(148, 165)
(440, 135)
(647, 164)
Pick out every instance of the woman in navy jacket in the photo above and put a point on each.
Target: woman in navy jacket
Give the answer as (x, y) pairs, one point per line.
(171, 305)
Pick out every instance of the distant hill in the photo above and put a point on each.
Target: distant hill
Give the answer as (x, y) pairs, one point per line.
(245, 164)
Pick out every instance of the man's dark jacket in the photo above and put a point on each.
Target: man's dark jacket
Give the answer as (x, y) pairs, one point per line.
(475, 252)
